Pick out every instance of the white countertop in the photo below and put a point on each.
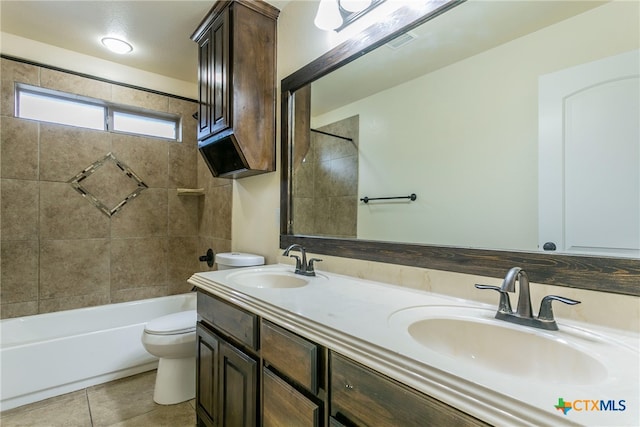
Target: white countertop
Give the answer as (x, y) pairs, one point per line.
(352, 316)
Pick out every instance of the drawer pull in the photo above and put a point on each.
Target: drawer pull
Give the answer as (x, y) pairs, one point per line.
(349, 386)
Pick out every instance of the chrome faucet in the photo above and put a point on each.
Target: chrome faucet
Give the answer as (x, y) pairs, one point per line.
(302, 267)
(524, 298)
(524, 314)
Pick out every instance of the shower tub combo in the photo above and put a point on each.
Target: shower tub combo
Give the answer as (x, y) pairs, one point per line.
(47, 355)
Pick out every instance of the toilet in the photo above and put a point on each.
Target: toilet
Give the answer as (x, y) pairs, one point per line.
(172, 339)
(229, 260)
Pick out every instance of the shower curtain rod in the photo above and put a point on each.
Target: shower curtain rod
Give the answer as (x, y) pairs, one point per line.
(331, 134)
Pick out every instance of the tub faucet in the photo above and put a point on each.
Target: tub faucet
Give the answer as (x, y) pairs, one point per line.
(302, 267)
(524, 314)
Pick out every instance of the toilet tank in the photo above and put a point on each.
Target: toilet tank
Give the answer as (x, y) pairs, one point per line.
(228, 260)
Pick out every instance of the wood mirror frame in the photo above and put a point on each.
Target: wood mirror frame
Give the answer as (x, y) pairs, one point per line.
(605, 274)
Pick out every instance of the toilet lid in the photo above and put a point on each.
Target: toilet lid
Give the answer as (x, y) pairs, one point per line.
(175, 323)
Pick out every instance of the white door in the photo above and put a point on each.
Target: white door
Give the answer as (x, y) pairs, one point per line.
(589, 158)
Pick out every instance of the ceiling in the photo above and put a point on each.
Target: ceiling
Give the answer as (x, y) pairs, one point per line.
(466, 30)
(158, 30)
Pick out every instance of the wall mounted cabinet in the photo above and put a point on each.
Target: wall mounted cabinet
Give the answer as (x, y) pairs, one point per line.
(237, 88)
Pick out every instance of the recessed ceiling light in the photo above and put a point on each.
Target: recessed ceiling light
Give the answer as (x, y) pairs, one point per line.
(116, 45)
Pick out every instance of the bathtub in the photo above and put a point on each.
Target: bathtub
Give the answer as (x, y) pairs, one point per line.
(51, 354)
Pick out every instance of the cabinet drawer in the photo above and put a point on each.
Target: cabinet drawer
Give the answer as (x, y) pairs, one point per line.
(290, 354)
(285, 406)
(232, 320)
(364, 397)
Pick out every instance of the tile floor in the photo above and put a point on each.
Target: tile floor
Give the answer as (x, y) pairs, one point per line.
(127, 402)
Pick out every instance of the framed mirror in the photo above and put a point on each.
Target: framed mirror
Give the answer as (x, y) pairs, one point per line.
(462, 127)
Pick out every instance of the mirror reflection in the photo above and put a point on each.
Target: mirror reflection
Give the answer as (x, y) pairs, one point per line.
(514, 123)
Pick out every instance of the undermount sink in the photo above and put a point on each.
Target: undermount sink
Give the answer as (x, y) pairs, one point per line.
(472, 337)
(263, 278)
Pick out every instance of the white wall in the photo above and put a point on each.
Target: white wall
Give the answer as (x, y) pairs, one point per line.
(464, 138)
(54, 56)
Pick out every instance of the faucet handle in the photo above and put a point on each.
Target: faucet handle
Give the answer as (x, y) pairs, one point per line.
(311, 261)
(546, 312)
(504, 305)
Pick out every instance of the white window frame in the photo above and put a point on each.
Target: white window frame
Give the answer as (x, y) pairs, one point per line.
(108, 111)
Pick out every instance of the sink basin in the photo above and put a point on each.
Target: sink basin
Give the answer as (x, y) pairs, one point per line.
(269, 279)
(473, 337)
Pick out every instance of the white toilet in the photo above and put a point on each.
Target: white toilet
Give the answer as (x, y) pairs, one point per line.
(228, 260)
(172, 339)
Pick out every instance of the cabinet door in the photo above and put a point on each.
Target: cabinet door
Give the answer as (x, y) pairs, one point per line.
(214, 112)
(284, 406)
(206, 375)
(237, 388)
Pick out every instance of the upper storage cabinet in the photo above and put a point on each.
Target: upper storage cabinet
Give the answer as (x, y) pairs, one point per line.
(237, 88)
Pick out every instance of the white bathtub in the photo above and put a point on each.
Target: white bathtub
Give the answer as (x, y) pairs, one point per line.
(51, 354)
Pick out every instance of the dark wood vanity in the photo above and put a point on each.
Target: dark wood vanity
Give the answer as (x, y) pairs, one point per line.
(251, 371)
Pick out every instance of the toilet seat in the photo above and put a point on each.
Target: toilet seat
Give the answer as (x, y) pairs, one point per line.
(182, 322)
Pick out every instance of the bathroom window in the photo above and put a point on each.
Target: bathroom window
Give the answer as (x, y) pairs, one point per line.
(64, 108)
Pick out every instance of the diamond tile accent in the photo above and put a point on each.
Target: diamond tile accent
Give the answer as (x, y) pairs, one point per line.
(116, 184)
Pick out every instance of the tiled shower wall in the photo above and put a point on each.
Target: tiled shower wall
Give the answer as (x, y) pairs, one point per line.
(325, 184)
(59, 251)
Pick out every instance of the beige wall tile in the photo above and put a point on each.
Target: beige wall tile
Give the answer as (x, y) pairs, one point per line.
(51, 305)
(109, 184)
(139, 98)
(58, 247)
(144, 216)
(183, 214)
(182, 160)
(19, 140)
(18, 309)
(7, 104)
(303, 214)
(19, 208)
(73, 267)
(19, 72)
(345, 216)
(303, 180)
(66, 214)
(222, 202)
(67, 150)
(18, 271)
(137, 263)
(344, 177)
(71, 83)
(136, 294)
(147, 157)
(183, 262)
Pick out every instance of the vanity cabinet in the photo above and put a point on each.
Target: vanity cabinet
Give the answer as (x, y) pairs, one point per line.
(237, 87)
(227, 365)
(363, 397)
(254, 372)
(241, 380)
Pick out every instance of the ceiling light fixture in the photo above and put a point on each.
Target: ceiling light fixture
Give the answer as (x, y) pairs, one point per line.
(337, 14)
(117, 45)
(355, 5)
(328, 17)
